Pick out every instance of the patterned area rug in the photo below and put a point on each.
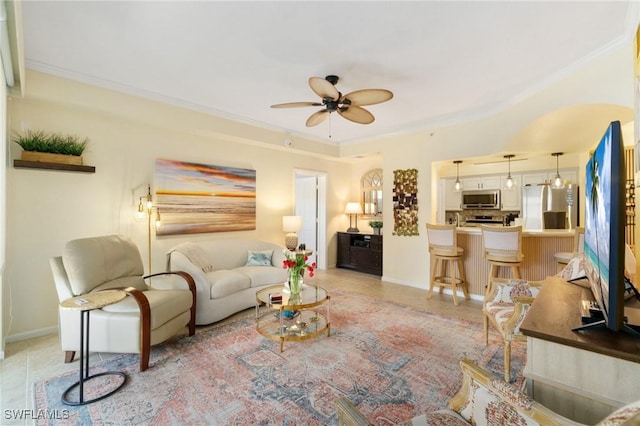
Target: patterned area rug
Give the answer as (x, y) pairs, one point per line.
(392, 361)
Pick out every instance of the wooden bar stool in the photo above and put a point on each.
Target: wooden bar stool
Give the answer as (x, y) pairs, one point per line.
(502, 247)
(448, 256)
(563, 258)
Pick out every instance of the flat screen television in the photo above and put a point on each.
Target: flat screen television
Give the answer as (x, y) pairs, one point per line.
(604, 229)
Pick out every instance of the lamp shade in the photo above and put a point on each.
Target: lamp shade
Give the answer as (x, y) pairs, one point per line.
(353, 208)
(291, 223)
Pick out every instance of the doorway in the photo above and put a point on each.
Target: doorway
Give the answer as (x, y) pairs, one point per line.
(311, 205)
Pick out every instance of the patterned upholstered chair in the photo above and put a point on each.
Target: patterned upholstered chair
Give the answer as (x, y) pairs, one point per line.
(484, 399)
(507, 302)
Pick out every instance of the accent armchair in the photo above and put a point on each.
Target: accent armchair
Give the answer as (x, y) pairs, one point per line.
(506, 303)
(147, 317)
(484, 399)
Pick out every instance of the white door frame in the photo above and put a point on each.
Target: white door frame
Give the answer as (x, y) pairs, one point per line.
(321, 219)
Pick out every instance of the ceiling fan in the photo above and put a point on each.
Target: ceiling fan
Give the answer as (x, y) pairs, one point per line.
(348, 106)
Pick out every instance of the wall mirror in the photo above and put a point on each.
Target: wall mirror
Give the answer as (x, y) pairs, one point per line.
(371, 190)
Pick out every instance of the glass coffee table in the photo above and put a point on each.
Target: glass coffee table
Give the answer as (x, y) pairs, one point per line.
(284, 318)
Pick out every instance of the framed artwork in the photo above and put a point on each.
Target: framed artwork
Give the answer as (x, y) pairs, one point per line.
(405, 202)
(199, 198)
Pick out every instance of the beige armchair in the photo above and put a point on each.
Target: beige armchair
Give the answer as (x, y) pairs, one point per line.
(149, 316)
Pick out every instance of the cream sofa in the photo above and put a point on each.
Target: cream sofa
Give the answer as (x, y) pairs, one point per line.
(226, 281)
(484, 399)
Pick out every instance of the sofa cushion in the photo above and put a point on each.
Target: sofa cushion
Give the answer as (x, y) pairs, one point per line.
(165, 305)
(262, 275)
(227, 282)
(485, 407)
(259, 258)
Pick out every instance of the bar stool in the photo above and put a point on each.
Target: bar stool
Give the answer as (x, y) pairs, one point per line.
(563, 258)
(448, 256)
(502, 247)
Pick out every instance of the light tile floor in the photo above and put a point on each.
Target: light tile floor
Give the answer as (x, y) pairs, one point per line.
(30, 360)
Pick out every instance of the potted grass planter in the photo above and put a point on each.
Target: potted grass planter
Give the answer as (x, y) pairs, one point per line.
(376, 225)
(43, 149)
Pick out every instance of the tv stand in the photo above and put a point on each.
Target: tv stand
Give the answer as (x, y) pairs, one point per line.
(581, 375)
(360, 252)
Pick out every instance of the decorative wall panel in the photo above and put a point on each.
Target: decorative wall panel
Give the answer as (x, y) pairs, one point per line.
(405, 202)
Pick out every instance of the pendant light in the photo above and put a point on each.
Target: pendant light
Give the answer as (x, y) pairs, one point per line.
(510, 183)
(458, 184)
(557, 181)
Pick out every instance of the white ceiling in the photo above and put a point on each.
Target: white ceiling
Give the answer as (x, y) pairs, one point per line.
(444, 61)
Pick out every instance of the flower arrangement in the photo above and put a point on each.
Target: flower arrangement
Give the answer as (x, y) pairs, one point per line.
(375, 224)
(297, 262)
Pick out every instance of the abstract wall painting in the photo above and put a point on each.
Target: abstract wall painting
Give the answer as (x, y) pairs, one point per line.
(199, 198)
(405, 202)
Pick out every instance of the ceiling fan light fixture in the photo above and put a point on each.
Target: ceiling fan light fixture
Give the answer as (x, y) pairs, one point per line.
(557, 181)
(349, 106)
(458, 185)
(510, 183)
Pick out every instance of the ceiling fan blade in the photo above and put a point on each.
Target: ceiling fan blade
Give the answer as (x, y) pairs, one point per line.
(356, 114)
(317, 118)
(296, 104)
(323, 88)
(368, 96)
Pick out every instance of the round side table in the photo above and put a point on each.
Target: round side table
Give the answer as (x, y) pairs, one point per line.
(85, 304)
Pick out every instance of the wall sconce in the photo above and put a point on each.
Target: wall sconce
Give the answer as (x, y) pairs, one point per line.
(291, 225)
(147, 208)
(557, 181)
(509, 183)
(458, 185)
(353, 209)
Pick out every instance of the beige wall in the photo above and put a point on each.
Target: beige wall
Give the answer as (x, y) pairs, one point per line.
(45, 208)
(405, 258)
(48, 208)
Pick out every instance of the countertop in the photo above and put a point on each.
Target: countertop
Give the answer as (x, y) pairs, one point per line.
(526, 232)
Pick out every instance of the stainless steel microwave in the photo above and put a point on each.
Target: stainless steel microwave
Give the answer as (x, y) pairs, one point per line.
(481, 199)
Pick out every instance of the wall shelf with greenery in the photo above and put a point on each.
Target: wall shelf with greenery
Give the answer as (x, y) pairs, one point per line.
(24, 164)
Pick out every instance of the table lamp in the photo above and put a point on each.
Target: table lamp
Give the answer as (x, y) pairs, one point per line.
(291, 225)
(353, 209)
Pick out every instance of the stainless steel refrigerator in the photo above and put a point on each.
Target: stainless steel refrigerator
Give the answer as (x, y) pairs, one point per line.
(546, 207)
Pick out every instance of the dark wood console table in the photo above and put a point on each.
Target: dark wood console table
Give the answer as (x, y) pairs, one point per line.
(361, 252)
(582, 375)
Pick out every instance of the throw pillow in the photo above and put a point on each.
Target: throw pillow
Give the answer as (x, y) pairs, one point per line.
(259, 258)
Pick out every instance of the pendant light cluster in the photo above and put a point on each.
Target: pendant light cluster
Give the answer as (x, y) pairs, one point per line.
(458, 185)
(510, 183)
(557, 181)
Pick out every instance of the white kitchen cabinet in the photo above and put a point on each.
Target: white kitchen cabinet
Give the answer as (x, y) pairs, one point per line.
(452, 198)
(568, 176)
(535, 178)
(511, 199)
(482, 182)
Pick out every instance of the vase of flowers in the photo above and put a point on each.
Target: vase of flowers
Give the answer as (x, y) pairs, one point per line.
(296, 263)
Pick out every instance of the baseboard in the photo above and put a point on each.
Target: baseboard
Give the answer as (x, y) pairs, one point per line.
(31, 334)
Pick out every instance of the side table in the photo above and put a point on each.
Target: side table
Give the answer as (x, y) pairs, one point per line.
(85, 304)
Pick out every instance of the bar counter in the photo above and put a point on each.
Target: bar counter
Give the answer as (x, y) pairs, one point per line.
(538, 247)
